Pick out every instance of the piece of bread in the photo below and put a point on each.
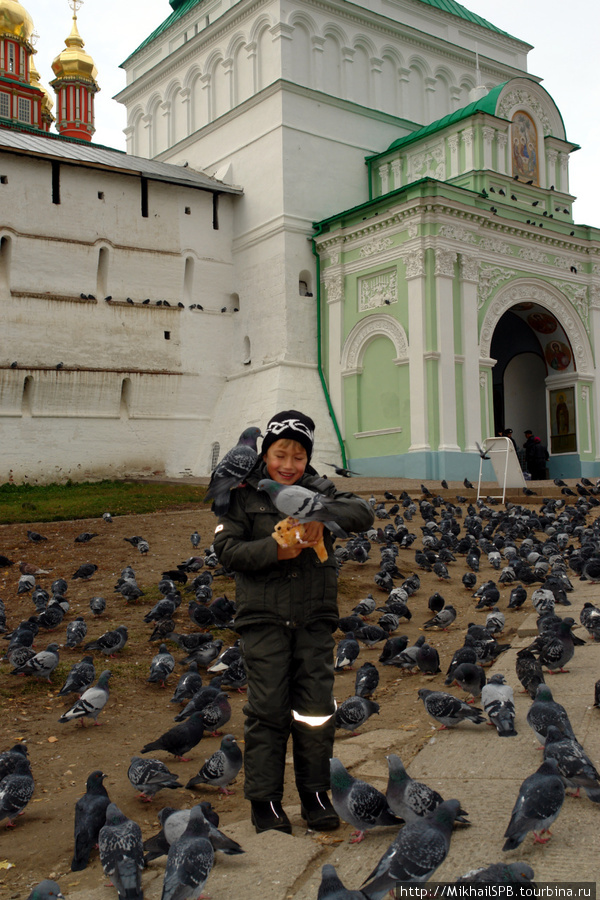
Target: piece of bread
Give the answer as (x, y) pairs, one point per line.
(290, 532)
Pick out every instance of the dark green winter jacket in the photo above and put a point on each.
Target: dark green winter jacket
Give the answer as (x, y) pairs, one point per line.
(289, 592)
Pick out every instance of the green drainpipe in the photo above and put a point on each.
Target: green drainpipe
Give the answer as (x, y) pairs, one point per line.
(320, 356)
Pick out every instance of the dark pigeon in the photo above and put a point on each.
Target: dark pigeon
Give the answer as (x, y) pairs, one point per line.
(540, 800)
(232, 470)
(358, 803)
(180, 739)
(90, 816)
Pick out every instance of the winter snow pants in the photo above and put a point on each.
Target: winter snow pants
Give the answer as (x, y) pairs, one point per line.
(289, 670)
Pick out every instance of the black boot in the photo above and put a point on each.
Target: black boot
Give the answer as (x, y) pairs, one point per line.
(318, 812)
(268, 815)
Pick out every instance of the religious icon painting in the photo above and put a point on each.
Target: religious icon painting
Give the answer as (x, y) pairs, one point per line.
(523, 136)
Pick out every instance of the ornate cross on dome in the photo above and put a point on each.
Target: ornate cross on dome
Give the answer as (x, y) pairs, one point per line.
(75, 4)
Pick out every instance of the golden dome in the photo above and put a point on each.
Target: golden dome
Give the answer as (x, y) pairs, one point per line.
(74, 64)
(15, 20)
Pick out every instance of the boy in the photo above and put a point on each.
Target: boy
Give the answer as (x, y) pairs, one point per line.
(286, 615)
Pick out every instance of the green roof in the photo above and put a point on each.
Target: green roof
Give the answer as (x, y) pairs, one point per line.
(181, 7)
(457, 9)
(485, 104)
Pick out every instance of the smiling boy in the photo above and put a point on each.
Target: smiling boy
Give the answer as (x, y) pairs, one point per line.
(286, 615)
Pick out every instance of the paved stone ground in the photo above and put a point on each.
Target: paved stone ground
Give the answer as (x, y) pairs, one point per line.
(469, 762)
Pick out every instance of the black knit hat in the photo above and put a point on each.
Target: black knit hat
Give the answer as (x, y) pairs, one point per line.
(293, 426)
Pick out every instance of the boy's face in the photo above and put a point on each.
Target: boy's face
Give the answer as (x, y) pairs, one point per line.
(286, 461)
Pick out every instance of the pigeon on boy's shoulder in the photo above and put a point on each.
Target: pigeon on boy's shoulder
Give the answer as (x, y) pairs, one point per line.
(232, 470)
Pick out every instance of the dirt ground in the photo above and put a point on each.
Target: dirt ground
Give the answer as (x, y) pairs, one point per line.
(63, 755)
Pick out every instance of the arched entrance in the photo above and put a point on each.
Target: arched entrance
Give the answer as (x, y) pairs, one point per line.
(540, 350)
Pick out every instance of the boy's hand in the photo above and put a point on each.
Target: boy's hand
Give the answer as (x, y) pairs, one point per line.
(313, 534)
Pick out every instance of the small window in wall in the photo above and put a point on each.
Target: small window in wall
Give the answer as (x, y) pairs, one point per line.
(144, 190)
(55, 182)
(3, 179)
(215, 212)
(305, 284)
(10, 62)
(235, 302)
(188, 280)
(5, 252)
(4, 105)
(246, 352)
(100, 195)
(188, 210)
(102, 273)
(125, 403)
(215, 451)
(167, 335)
(27, 399)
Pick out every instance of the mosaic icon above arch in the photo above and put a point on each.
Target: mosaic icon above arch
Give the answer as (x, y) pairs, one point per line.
(524, 143)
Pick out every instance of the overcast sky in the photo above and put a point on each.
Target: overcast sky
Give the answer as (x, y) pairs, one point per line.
(564, 35)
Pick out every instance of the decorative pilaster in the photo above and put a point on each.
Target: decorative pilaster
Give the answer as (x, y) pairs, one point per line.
(333, 281)
(501, 142)
(467, 139)
(488, 141)
(417, 305)
(564, 172)
(469, 277)
(551, 160)
(396, 166)
(453, 145)
(444, 277)
(384, 174)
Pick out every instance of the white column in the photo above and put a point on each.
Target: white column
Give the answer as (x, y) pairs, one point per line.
(501, 142)
(384, 174)
(551, 159)
(595, 339)
(396, 173)
(488, 140)
(453, 144)
(469, 271)
(333, 281)
(564, 172)
(415, 279)
(467, 139)
(444, 278)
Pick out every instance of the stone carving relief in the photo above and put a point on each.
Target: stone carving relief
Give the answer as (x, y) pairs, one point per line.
(578, 296)
(334, 285)
(491, 277)
(414, 260)
(377, 290)
(469, 267)
(429, 163)
(533, 254)
(457, 233)
(521, 97)
(444, 262)
(495, 245)
(376, 245)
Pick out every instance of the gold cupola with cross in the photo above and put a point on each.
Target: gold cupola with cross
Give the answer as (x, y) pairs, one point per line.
(75, 85)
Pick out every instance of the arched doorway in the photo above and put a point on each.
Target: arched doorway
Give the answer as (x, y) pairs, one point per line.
(541, 354)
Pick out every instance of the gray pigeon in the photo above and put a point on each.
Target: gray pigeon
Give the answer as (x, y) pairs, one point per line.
(76, 631)
(97, 605)
(190, 860)
(188, 684)
(448, 710)
(539, 802)
(409, 799)
(471, 678)
(232, 470)
(444, 618)
(574, 764)
(122, 853)
(180, 739)
(303, 505)
(90, 816)
(499, 873)
(91, 703)
(16, 790)
(332, 888)
(545, 711)
(346, 652)
(79, 678)
(110, 642)
(42, 665)
(358, 803)
(354, 712)
(46, 890)
(367, 679)
(174, 823)
(222, 767)
(529, 672)
(10, 758)
(161, 666)
(499, 704)
(149, 776)
(418, 850)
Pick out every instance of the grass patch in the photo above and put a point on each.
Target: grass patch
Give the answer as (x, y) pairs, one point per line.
(88, 500)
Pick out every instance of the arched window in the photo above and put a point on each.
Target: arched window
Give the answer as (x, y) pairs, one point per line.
(524, 147)
(5, 254)
(125, 404)
(188, 280)
(27, 400)
(102, 273)
(305, 284)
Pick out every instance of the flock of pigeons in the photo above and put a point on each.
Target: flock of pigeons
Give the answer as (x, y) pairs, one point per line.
(535, 552)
